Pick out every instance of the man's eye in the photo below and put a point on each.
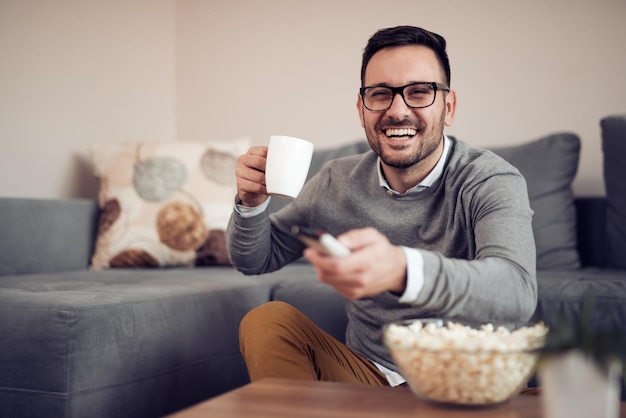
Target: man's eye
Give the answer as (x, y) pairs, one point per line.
(418, 91)
(380, 94)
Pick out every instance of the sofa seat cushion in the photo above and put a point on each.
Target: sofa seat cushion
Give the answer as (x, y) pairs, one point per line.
(77, 344)
(561, 295)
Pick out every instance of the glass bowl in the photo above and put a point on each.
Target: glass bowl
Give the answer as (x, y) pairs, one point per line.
(455, 364)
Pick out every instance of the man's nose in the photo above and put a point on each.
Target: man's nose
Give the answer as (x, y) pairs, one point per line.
(398, 105)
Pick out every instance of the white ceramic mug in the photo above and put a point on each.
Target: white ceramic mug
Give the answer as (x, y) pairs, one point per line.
(288, 161)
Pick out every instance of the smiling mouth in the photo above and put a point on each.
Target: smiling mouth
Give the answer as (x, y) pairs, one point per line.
(400, 133)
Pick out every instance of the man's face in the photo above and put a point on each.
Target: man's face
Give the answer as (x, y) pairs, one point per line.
(403, 136)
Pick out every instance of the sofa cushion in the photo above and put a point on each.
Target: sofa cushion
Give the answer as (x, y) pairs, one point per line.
(591, 220)
(561, 295)
(549, 165)
(123, 342)
(46, 235)
(164, 203)
(614, 149)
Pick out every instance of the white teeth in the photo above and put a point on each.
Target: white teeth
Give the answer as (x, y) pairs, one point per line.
(401, 132)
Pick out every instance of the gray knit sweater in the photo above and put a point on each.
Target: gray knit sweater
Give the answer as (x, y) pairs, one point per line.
(472, 227)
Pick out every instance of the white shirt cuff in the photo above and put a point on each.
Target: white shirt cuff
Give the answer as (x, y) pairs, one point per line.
(414, 275)
(248, 212)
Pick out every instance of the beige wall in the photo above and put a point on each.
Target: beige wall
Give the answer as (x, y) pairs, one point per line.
(85, 72)
(75, 73)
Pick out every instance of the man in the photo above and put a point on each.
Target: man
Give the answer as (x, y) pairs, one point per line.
(436, 228)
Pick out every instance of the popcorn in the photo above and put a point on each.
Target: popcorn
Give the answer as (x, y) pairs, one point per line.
(457, 364)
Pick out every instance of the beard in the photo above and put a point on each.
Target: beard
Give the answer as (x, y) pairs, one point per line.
(391, 155)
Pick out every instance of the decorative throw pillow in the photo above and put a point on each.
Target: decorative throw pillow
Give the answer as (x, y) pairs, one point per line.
(165, 203)
(614, 150)
(549, 165)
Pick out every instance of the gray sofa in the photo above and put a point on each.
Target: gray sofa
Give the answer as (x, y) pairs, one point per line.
(76, 342)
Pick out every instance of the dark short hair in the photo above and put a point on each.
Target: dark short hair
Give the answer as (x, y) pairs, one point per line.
(406, 35)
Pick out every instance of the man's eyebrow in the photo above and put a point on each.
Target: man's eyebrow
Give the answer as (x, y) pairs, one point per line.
(384, 84)
(378, 85)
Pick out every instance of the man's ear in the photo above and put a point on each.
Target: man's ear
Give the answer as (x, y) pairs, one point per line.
(359, 108)
(450, 107)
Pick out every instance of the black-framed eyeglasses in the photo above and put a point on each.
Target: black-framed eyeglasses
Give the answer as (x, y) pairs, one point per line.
(416, 95)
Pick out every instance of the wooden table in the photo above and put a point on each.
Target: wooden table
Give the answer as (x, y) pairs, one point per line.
(277, 398)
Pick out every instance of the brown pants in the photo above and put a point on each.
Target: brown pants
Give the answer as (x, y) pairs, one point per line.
(277, 340)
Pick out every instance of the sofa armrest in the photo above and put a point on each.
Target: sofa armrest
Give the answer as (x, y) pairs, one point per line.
(591, 224)
(46, 235)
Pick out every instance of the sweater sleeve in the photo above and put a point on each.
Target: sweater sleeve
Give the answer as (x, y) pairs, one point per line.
(499, 283)
(258, 246)
(263, 243)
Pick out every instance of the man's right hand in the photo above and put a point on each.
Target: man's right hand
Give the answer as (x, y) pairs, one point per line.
(250, 173)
